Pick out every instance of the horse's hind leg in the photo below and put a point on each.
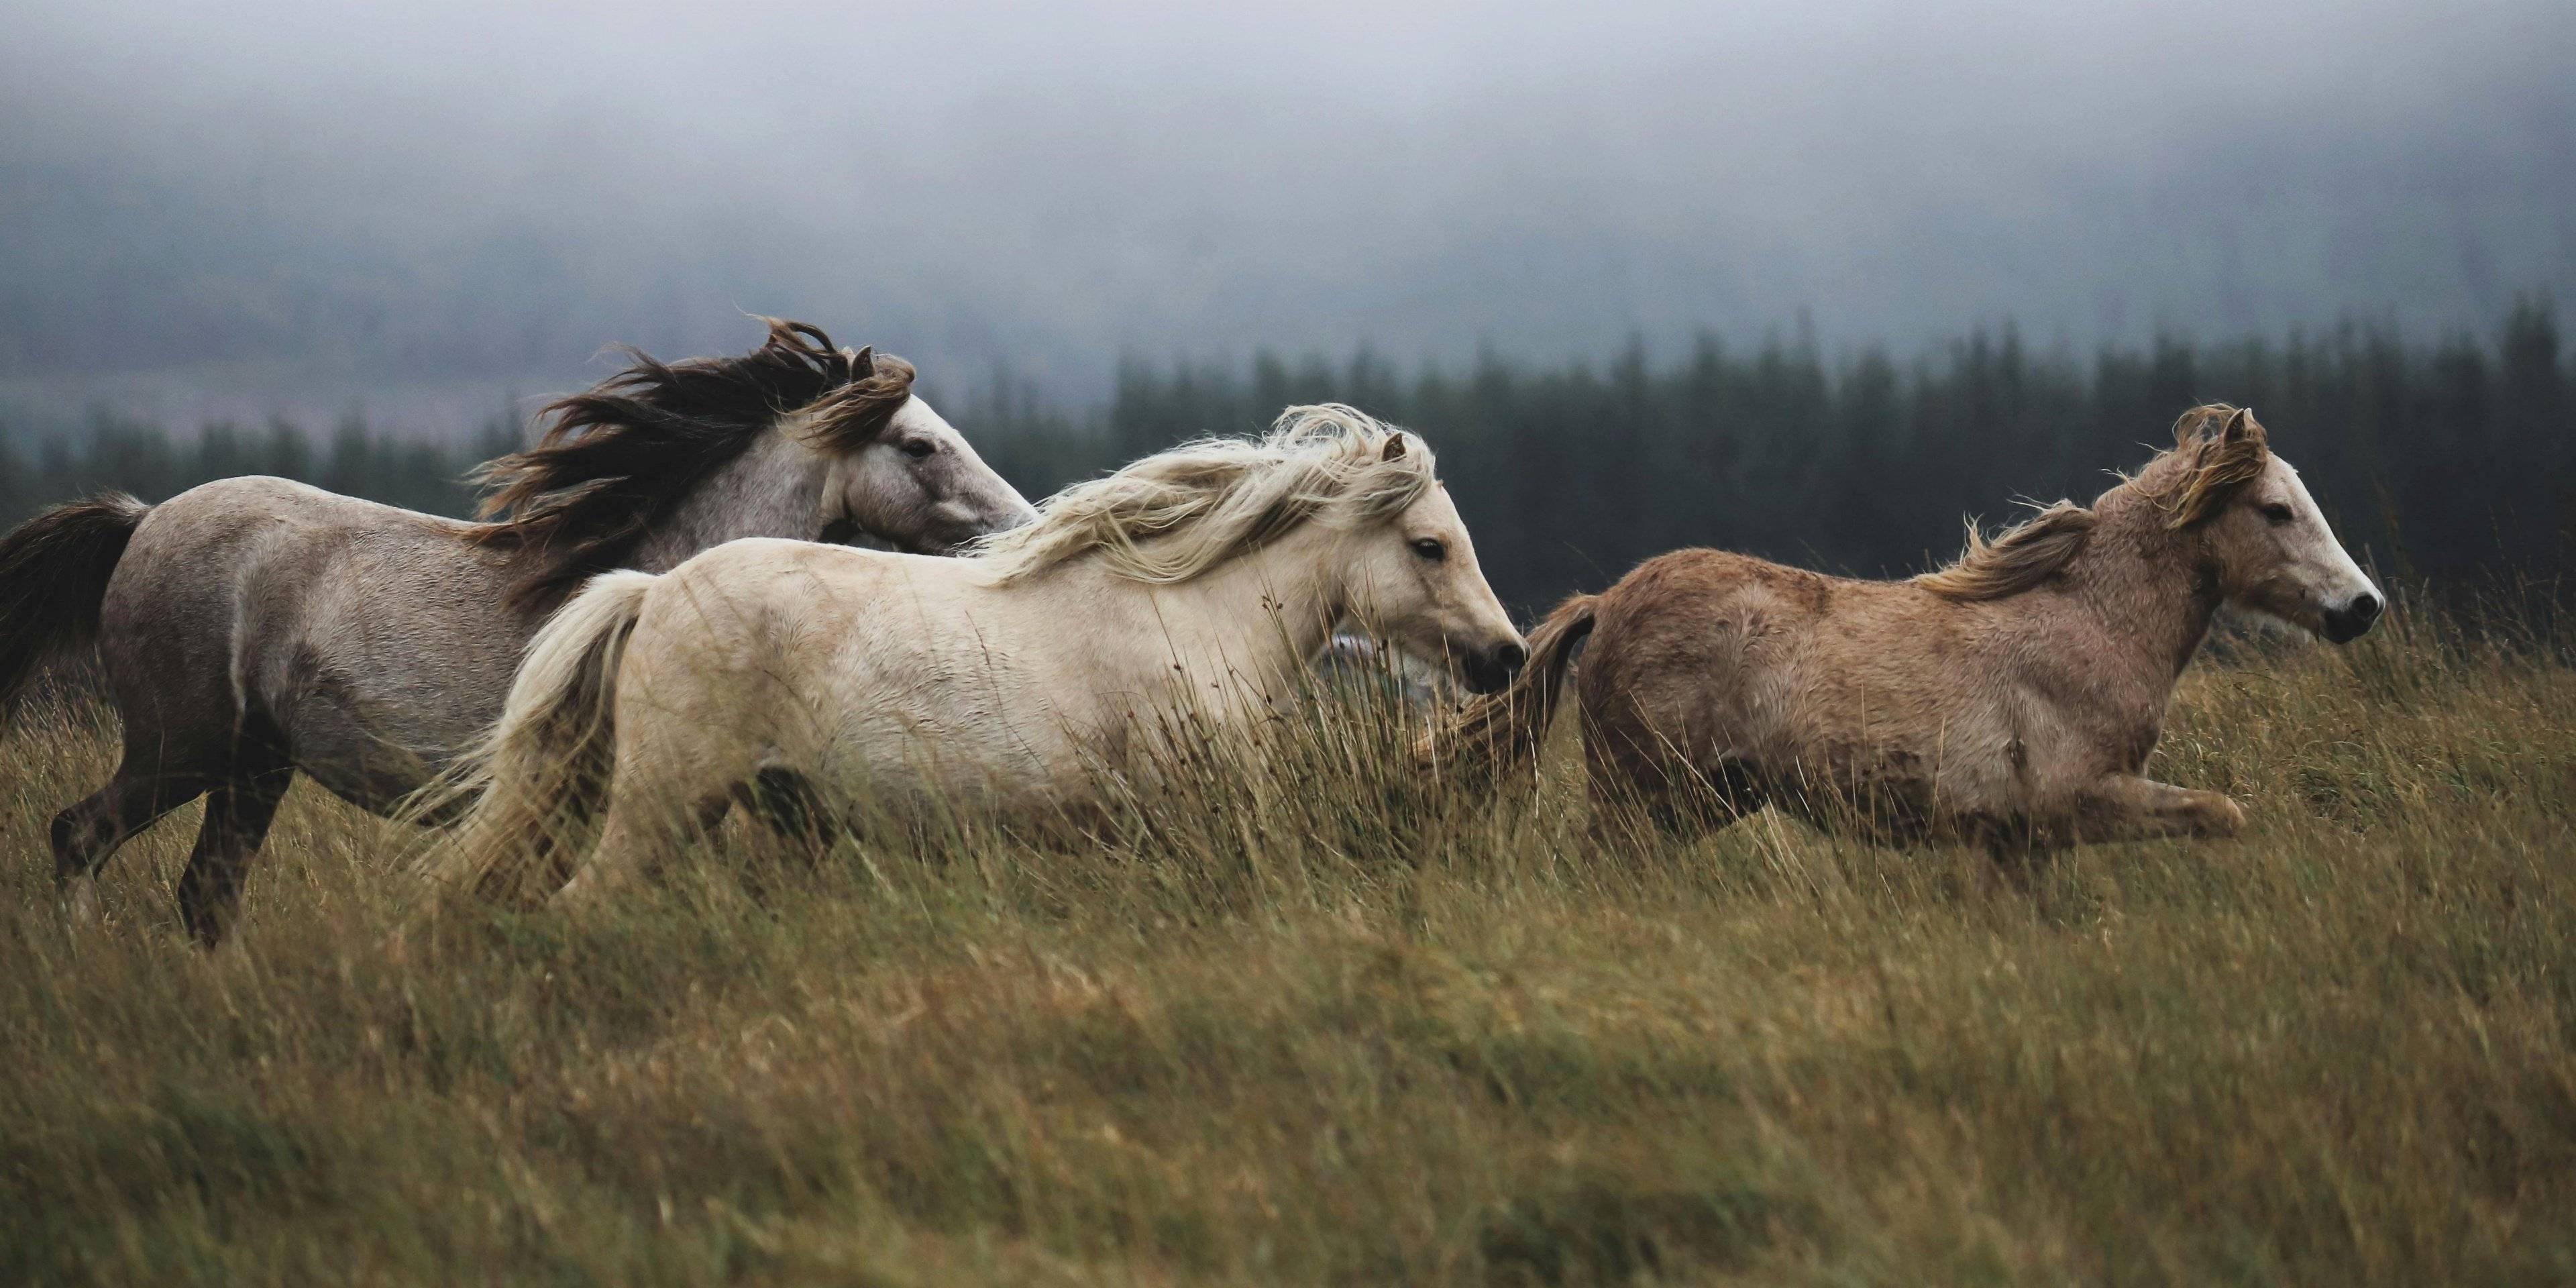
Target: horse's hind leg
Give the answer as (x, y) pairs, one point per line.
(88, 832)
(237, 817)
(1639, 797)
(633, 841)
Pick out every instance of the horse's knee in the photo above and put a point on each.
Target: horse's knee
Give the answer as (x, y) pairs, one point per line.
(65, 828)
(82, 835)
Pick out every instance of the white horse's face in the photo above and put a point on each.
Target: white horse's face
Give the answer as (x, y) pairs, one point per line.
(1414, 582)
(2276, 556)
(921, 486)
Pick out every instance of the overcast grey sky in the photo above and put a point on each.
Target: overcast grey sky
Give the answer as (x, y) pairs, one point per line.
(232, 208)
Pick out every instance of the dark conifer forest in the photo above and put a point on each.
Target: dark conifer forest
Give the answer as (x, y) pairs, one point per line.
(2444, 458)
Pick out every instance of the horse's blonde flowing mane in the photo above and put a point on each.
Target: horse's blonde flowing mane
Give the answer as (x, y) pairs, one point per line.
(2016, 559)
(1174, 515)
(2218, 449)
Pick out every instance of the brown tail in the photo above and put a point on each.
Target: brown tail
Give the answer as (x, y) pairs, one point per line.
(53, 577)
(1500, 732)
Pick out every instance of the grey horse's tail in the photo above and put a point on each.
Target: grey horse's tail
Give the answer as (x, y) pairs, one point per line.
(1501, 732)
(539, 777)
(53, 577)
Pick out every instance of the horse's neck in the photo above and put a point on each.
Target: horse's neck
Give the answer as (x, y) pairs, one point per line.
(2145, 583)
(774, 489)
(1246, 627)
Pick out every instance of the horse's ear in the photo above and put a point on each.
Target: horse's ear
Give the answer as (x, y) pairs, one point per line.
(865, 365)
(2241, 428)
(1394, 447)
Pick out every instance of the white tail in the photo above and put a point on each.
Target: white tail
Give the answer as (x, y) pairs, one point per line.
(540, 775)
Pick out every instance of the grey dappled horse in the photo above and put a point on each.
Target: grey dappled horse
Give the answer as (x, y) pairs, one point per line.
(254, 627)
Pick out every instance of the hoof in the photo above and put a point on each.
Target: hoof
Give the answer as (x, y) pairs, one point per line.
(2225, 817)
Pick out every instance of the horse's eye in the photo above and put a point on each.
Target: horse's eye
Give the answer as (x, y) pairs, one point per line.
(918, 448)
(2277, 514)
(1430, 548)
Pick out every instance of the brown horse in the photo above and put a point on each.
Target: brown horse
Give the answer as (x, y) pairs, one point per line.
(255, 627)
(2009, 700)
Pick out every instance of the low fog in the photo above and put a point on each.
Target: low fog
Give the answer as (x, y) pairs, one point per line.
(415, 208)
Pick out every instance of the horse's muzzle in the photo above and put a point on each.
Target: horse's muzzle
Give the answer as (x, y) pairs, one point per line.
(1488, 670)
(2347, 622)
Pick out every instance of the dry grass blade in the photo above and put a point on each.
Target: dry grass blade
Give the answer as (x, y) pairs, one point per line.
(1296, 1015)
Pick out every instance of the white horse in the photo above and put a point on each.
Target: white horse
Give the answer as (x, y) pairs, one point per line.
(1196, 582)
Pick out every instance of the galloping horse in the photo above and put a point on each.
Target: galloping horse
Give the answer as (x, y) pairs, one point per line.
(2010, 699)
(1198, 580)
(253, 627)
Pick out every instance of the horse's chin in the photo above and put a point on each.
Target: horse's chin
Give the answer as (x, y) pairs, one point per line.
(2270, 621)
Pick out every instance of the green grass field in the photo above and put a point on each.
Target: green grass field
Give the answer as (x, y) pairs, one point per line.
(1325, 1023)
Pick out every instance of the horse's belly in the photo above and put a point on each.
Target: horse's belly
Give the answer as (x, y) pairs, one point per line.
(975, 764)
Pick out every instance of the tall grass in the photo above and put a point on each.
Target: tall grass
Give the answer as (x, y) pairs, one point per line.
(1296, 1017)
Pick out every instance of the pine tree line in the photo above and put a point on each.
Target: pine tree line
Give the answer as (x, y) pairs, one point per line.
(2450, 460)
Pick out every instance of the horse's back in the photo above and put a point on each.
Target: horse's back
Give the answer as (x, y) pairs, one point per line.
(1702, 657)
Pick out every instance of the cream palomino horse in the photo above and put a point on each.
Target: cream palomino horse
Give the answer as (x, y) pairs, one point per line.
(1201, 579)
(2010, 699)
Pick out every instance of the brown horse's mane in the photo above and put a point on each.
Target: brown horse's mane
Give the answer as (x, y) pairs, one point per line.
(2217, 449)
(2016, 559)
(617, 457)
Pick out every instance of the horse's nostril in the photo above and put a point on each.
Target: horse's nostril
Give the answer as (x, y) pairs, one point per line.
(1509, 657)
(2354, 617)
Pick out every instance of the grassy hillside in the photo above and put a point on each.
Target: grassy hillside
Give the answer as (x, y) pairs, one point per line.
(1323, 1024)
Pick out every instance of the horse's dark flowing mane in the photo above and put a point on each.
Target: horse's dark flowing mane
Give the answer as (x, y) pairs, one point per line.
(615, 458)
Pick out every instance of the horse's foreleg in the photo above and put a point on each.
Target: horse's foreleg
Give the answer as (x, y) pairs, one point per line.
(87, 833)
(237, 817)
(2131, 807)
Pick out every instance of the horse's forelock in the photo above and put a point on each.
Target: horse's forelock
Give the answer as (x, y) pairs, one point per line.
(2218, 449)
(857, 412)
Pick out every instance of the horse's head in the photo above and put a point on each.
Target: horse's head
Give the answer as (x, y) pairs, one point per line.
(2261, 534)
(900, 472)
(1412, 580)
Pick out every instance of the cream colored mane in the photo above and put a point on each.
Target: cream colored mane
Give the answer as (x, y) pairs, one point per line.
(1174, 515)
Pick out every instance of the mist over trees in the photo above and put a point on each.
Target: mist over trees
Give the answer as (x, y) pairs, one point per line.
(378, 222)
(291, 208)
(2453, 459)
